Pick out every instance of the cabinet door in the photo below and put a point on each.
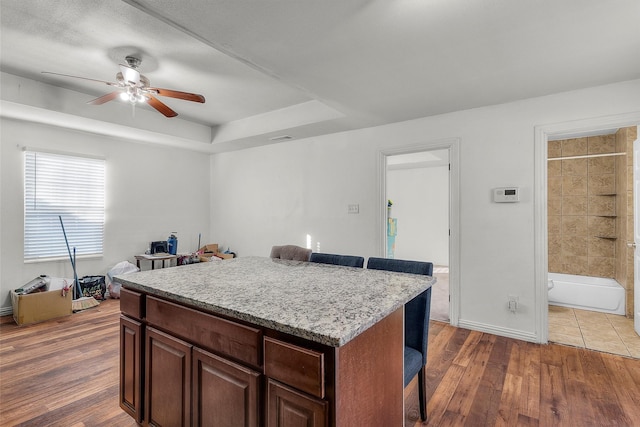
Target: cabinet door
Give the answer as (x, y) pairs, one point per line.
(167, 381)
(131, 377)
(287, 407)
(225, 394)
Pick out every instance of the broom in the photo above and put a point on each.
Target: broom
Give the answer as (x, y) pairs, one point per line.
(79, 302)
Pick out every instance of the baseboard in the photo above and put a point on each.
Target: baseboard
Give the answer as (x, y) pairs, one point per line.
(503, 332)
(6, 311)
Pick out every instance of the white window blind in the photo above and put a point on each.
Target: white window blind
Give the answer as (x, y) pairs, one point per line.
(64, 186)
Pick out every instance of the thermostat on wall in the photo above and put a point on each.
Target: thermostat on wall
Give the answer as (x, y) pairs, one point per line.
(506, 195)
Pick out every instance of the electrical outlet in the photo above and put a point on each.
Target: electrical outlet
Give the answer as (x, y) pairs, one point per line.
(513, 303)
(353, 209)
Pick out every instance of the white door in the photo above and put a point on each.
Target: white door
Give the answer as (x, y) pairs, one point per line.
(636, 234)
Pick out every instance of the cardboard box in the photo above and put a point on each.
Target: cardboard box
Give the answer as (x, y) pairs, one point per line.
(210, 248)
(41, 306)
(206, 252)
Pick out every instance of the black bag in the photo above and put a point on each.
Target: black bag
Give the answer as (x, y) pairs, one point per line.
(93, 286)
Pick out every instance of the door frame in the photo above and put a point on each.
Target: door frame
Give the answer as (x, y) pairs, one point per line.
(541, 262)
(453, 145)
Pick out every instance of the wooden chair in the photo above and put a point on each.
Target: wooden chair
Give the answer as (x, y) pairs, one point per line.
(345, 260)
(416, 324)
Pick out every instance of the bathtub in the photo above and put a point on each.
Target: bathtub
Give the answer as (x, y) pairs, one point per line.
(586, 293)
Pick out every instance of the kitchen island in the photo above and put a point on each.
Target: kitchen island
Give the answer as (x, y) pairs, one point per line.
(262, 342)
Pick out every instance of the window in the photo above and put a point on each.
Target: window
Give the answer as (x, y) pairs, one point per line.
(68, 187)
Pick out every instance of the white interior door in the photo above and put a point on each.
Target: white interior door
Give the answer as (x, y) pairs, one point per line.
(636, 234)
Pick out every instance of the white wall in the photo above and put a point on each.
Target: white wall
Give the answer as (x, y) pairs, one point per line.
(423, 219)
(277, 194)
(151, 191)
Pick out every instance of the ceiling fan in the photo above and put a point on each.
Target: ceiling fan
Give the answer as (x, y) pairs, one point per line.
(133, 87)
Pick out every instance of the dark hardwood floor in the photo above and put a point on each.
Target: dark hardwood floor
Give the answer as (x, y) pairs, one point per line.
(64, 372)
(478, 379)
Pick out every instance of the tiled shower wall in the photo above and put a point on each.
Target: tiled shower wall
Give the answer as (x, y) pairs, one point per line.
(590, 210)
(624, 220)
(582, 207)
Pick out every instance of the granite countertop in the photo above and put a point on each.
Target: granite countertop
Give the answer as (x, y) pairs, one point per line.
(319, 302)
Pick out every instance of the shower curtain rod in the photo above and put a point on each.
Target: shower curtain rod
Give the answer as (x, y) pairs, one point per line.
(587, 156)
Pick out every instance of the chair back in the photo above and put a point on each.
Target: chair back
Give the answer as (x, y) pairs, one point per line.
(345, 260)
(291, 252)
(401, 266)
(416, 320)
(416, 311)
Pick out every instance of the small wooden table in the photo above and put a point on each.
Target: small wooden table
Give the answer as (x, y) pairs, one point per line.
(155, 257)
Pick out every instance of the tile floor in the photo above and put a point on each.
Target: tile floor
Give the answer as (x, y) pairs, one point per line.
(609, 333)
(440, 294)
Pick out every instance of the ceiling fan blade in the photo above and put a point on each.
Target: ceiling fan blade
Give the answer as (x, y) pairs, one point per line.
(78, 77)
(177, 94)
(105, 98)
(160, 106)
(131, 75)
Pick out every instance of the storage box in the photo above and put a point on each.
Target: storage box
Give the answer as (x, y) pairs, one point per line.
(41, 306)
(206, 252)
(210, 248)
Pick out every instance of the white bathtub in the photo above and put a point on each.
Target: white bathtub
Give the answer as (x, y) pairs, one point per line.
(586, 293)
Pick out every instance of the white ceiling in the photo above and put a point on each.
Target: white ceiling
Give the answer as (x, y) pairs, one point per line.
(303, 68)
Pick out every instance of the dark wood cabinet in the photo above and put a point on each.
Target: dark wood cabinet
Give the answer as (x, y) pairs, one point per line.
(225, 394)
(131, 377)
(168, 380)
(182, 366)
(288, 407)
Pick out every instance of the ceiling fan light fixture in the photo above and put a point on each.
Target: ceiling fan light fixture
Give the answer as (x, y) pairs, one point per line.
(134, 88)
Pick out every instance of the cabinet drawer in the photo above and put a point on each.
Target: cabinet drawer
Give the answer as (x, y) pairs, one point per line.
(218, 335)
(132, 303)
(296, 366)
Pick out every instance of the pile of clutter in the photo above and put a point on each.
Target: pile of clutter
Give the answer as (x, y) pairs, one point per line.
(207, 253)
(121, 268)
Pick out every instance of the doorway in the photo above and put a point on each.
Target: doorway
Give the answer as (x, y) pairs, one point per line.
(544, 222)
(589, 261)
(419, 183)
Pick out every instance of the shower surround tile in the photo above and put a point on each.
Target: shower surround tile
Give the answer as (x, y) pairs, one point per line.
(602, 184)
(574, 205)
(554, 224)
(574, 185)
(554, 207)
(575, 265)
(554, 149)
(601, 226)
(554, 168)
(575, 246)
(609, 220)
(577, 225)
(554, 187)
(602, 165)
(601, 247)
(574, 167)
(601, 144)
(602, 206)
(574, 147)
(555, 244)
